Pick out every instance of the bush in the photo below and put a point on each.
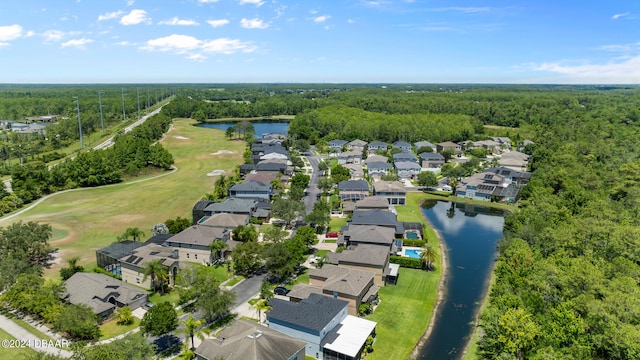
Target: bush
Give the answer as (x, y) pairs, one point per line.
(100, 270)
(413, 242)
(406, 262)
(255, 221)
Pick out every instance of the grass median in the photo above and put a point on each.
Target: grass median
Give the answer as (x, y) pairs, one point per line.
(92, 218)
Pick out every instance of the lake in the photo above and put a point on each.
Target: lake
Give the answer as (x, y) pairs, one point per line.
(470, 234)
(262, 127)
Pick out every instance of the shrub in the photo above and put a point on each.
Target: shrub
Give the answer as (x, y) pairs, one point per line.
(413, 242)
(406, 262)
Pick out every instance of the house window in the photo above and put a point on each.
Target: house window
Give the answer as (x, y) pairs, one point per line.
(138, 281)
(196, 256)
(187, 255)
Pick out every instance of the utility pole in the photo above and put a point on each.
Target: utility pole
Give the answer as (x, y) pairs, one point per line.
(124, 116)
(100, 102)
(79, 122)
(138, 93)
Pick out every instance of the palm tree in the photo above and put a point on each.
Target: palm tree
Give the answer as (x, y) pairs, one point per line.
(261, 306)
(154, 270)
(217, 247)
(428, 257)
(190, 327)
(124, 315)
(135, 233)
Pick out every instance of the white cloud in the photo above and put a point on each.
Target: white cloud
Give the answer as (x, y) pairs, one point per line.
(9, 32)
(123, 43)
(616, 71)
(207, 1)
(351, 21)
(110, 15)
(29, 34)
(135, 17)
(197, 57)
(253, 23)
(185, 44)
(252, 2)
(218, 22)
(180, 22)
(78, 43)
(321, 19)
(53, 35)
(227, 46)
(130, 2)
(618, 16)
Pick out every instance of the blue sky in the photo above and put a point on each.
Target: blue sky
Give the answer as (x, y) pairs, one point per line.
(153, 41)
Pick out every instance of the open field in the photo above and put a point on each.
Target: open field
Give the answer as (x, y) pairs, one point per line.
(93, 218)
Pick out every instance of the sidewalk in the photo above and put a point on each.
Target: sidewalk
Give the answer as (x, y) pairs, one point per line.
(32, 341)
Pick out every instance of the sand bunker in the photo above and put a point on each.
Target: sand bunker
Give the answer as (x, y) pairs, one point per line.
(216, 173)
(220, 152)
(180, 137)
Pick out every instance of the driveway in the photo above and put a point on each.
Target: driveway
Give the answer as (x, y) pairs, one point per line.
(313, 190)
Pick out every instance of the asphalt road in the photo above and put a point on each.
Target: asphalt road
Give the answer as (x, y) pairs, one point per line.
(247, 289)
(313, 190)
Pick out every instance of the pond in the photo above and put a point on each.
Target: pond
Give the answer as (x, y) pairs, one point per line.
(470, 234)
(261, 127)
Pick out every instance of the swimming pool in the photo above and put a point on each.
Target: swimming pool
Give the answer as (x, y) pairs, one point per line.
(412, 253)
(411, 235)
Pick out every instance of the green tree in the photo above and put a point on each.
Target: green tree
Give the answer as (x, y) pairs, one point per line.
(246, 257)
(133, 233)
(448, 153)
(427, 256)
(131, 347)
(244, 233)
(73, 268)
(217, 248)
(154, 270)
(24, 248)
(159, 320)
(199, 283)
(340, 173)
(307, 235)
(79, 322)
(274, 234)
(177, 225)
(191, 326)
(427, 179)
(424, 149)
(325, 184)
(287, 209)
(124, 315)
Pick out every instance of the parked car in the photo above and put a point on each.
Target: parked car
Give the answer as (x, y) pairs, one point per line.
(281, 290)
(333, 234)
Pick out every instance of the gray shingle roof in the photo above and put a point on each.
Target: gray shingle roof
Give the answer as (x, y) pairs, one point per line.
(370, 234)
(431, 156)
(364, 254)
(227, 221)
(95, 290)
(251, 185)
(353, 185)
(198, 235)
(343, 280)
(246, 340)
(312, 313)
(232, 205)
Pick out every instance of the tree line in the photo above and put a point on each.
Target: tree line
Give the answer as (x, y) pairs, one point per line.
(130, 153)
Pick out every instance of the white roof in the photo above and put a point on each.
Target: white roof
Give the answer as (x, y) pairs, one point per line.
(348, 337)
(394, 269)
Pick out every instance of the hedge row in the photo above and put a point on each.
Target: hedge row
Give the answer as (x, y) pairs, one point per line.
(413, 242)
(406, 262)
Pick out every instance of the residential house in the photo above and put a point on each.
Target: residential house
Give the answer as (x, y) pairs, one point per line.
(193, 243)
(266, 176)
(357, 145)
(514, 160)
(353, 286)
(336, 145)
(488, 186)
(108, 258)
(234, 205)
(376, 158)
(355, 235)
(448, 145)
(324, 324)
(372, 258)
(407, 169)
(246, 340)
(132, 265)
(431, 160)
(353, 190)
(519, 178)
(350, 157)
(225, 221)
(378, 169)
(524, 144)
(505, 142)
(198, 211)
(393, 191)
(355, 170)
(402, 145)
(246, 169)
(274, 156)
(404, 156)
(422, 144)
(372, 203)
(377, 145)
(252, 189)
(102, 293)
(272, 165)
(492, 147)
(44, 118)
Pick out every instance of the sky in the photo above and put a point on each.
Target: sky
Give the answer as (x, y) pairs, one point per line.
(312, 41)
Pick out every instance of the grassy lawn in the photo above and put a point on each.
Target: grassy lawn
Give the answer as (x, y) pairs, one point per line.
(110, 328)
(93, 218)
(322, 253)
(13, 353)
(336, 223)
(302, 278)
(404, 313)
(236, 279)
(171, 297)
(330, 241)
